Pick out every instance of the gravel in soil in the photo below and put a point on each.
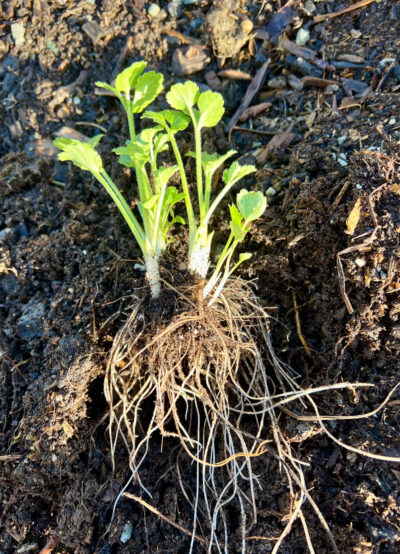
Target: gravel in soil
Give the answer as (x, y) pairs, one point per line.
(328, 244)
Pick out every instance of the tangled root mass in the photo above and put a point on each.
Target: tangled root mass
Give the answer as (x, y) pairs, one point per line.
(210, 389)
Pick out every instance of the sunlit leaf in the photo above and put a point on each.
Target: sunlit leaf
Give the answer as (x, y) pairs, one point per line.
(148, 87)
(94, 141)
(82, 154)
(157, 117)
(127, 79)
(147, 135)
(236, 172)
(133, 153)
(178, 121)
(244, 256)
(211, 162)
(211, 107)
(161, 143)
(150, 202)
(163, 175)
(251, 204)
(237, 230)
(236, 216)
(107, 87)
(183, 96)
(172, 196)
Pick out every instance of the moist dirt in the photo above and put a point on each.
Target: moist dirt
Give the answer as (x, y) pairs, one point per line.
(325, 265)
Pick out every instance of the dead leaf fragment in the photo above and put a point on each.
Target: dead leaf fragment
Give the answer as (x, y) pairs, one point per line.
(255, 110)
(354, 217)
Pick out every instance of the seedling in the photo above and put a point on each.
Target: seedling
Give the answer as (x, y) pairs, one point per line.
(206, 110)
(210, 357)
(157, 199)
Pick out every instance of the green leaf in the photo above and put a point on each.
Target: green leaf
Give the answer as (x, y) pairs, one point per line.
(183, 96)
(211, 106)
(178, 121)
(157, 117)
(237, 230)
(81, 154)
(236, 216)
(148, 87)
(211, 162)
(95, 140)
(107, 87)
(251, 204)
(161, 143)
(133, 153)
(127, 79)
(147, 135)
(244, 256)
(150, 202)
(163, 175)
(172, 196)
(236, 172)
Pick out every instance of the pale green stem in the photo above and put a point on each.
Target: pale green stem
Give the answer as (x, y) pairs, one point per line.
(189, 207)
(122, 205)
(217, 200)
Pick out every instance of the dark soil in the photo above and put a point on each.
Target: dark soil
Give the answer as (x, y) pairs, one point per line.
(67, 268)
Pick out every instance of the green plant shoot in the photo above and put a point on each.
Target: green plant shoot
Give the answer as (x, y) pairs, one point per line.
(136, 90)
(157, 199)
(206, 110)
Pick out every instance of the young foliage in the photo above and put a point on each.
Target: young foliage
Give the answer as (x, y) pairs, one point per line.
(136, 90)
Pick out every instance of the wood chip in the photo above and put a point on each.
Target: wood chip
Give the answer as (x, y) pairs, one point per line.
(234, 74)
(213, 80)
(354, 217)
(280, 20)
(255, 110)
(318, 82)
(352, 58)
(356, 6)
(252, 90)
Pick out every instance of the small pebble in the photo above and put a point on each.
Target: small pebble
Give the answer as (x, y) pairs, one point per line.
(355, 33)
(126, 533)
(18, 33)
(77, 100)
(277, 82)
(270, 191)
(392, 121)
(174, 9)
(295, 82)
(310, 6)
(342, 160)
(302, 37)
(153, 10)
(341, 140)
